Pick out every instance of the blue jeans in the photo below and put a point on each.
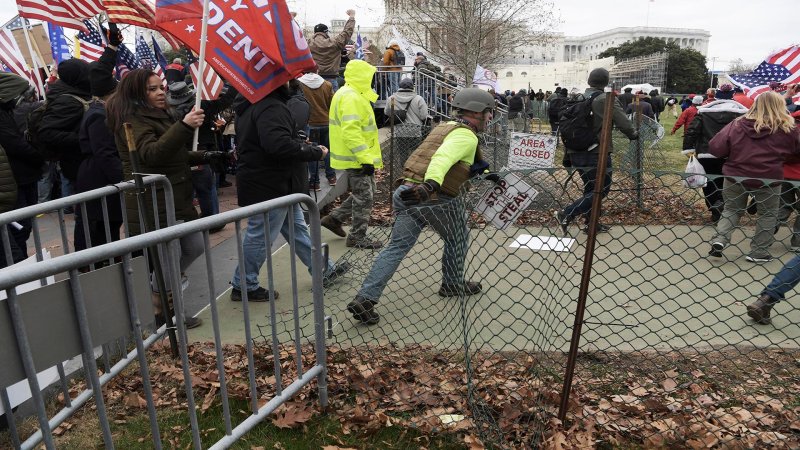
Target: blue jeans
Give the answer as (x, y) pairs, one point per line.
(255, 248)
(785, 280)
(586, 164)
(205, 189)
(321, 136)
(446, 216)
(334, 82)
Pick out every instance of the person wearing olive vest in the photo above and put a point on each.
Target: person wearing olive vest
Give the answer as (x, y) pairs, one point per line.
(426, 195)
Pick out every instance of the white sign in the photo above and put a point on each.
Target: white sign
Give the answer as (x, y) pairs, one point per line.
(505, 201)
(551, 243)
(532, 151)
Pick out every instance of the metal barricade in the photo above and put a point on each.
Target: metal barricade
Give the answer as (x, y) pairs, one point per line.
(130, 276)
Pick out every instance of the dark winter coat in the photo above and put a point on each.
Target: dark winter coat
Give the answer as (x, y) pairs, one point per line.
(8, 186)
(164, 146)
(272, 159)
(658, 103)
(101, 163)
(619, 119)
(26, 163)
(647, 109)
(60, 122)
(708, 122)
(626, 98)
(300, 109)
(207, 138)
(749, 153)
(21, 113)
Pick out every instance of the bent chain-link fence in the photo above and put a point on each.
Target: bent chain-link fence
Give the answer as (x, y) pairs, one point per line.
(667, 354)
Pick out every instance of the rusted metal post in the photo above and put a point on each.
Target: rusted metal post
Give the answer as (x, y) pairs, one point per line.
(594, 219)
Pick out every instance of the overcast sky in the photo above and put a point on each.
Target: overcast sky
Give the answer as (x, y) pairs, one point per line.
(739, 28)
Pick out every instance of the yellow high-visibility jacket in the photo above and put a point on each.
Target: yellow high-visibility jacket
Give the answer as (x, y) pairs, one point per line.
(353, 131)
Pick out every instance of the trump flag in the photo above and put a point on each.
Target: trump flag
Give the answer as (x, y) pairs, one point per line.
(255, 45)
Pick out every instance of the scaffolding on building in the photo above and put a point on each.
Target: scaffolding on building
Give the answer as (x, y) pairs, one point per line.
(650, 69)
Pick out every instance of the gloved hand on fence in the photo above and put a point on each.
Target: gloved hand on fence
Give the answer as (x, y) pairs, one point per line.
(216, 160)
(494, 177)
(367, 169)
(112, 34)
(635, 136)
(420, 193)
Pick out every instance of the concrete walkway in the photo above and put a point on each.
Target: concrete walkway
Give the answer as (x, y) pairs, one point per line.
(652, 288)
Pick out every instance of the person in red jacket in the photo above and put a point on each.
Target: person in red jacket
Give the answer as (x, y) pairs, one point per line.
(741, 97)
(790, 195)
(687, 116)
(754, 147)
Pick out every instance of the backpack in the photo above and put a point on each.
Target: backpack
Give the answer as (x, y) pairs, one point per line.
(556, 105)
(399, 58)
(400, 115)
(576, 125)
(35, 122)
(516, 104)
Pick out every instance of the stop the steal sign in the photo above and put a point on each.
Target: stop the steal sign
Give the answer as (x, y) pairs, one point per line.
(505, 201)
(531, 151)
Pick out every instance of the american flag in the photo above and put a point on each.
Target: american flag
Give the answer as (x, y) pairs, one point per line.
(162, 61)
(147, 58)
(66, 13)
(126, 61)
(359, 47)
(58, 43)
(11, 57)
(16, 23)
(90, 44)
(212, 83)
(781, 67)
(141, 13)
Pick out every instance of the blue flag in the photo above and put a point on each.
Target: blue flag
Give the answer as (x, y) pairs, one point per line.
(359, 47)
(159, 56)
(58, 43)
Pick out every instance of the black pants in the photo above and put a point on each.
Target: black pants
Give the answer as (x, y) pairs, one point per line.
(27, 195)
(713, 189)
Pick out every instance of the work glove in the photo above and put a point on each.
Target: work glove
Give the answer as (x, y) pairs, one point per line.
(635, 136)
(216, 160)
(367, 169)
(113, 35)
(420, 193)
(494, 177)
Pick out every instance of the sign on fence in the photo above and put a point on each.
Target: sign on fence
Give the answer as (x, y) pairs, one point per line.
(502, 204)
(531, 151)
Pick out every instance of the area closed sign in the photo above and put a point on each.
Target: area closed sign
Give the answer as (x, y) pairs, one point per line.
(531, 151)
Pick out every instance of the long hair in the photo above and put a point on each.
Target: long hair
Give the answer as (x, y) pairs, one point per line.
(769, 113)
(130, 96)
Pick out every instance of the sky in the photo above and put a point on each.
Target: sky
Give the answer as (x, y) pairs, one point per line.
(739, 28)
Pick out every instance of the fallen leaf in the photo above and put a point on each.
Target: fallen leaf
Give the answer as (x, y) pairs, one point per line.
(669, 385)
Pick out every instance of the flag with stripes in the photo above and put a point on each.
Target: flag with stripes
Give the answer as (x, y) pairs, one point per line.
(212, 83)
(12, 58)
(774, 73)
(147, 58)
(126, 61)
(58, 43)
(66, 13)
(141, 13)
(16, 23)
(90, 43)
(162, 61)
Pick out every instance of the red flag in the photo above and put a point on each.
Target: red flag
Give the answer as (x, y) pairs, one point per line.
(11, 57)
(167, 10)
(256, 46)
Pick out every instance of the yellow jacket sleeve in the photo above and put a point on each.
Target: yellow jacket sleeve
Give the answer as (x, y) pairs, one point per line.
(352, 136)
(459, 146)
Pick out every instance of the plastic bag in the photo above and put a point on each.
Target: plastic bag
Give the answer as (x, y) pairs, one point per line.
(696, 174)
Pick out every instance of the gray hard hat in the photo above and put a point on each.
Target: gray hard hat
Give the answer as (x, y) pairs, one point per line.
(473, 99)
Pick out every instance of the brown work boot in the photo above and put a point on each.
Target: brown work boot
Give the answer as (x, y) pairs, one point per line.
(363, 243)
(363, 310)
(760, 309)
(334, 225)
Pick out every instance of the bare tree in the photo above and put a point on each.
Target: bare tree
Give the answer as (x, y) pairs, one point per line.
(739, 66)
(464, 33)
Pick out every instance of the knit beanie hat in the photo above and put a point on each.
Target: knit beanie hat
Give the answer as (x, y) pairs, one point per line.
(11, 86)
(697, 100)
(75, 73)
(598, 78)
(725, 92)
(101, 80)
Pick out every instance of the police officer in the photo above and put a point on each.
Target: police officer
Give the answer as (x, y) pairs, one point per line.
(426, 195)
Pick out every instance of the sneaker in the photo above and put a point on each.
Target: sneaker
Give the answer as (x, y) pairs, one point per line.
(192, 322)
(716, 249)
(337, 271)
(455, 290)
(761, 308)
(759, 259)
(332, 180)
(224, 184)
(363, 310)
(333, 225)
(601, 228)
(562, 220)
(364, 243)
(315, 187)
(257, 295)
(216, 229)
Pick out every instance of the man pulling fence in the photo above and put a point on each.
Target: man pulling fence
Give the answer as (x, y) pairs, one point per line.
(426, 195)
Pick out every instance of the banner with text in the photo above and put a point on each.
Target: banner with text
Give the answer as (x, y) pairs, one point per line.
(532, 151)
(507, 199)
(256, 46)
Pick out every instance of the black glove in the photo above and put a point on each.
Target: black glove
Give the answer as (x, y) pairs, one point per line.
(302, 135)
(420, 193)
(367, 169)
(216, 160)
(567, 161)
(635, 136)
(494, 177)
(113, 35)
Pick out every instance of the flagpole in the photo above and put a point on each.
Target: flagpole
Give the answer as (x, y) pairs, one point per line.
(201, 67)
(33, 58)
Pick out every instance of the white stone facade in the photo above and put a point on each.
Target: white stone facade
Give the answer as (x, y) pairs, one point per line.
(589, 47)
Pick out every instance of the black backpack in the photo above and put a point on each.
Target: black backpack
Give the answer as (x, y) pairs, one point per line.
(576, 125)
(401, 114)
(399, 58)
(556, 105)
(35, 122)
(515, 104)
